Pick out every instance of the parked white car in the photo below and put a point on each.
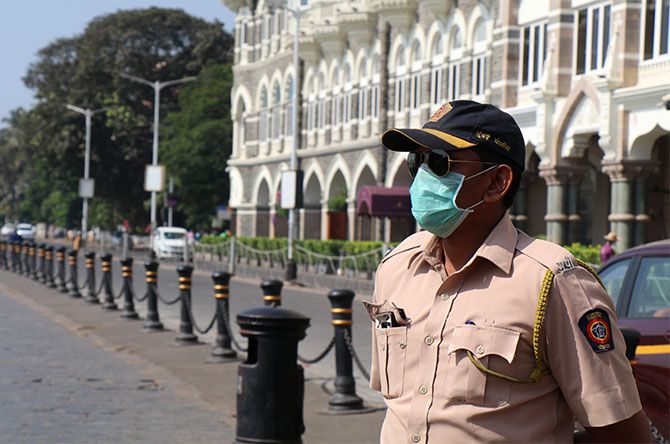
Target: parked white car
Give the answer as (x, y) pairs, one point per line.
(26, 231)
(169, 242)
(7, 230)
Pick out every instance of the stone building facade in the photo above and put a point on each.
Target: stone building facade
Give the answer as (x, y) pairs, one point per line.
(587, 81)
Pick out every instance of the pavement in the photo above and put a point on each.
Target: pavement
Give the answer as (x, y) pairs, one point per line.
(72, 372)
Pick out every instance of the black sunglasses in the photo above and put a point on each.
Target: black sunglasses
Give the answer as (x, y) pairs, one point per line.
(439, 162)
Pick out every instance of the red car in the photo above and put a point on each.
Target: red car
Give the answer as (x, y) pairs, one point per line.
(638, 280)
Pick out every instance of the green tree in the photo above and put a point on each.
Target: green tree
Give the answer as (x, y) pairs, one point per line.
(197, 143)
(155, 44)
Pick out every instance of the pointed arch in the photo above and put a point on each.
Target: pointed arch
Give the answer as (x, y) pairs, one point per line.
(583, 90)
(397, 164)
(264, 176)
(338, 165)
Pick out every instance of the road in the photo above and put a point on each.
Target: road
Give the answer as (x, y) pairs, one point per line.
(245, 294)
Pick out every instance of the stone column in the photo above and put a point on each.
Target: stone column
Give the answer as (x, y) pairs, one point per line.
(517, 211)
(575, 176)
(628, 218)
(557, 195)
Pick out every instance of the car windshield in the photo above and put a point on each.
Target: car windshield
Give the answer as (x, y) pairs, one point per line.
(613, 277)
(173, 235)
(24, 226)
(651, 294)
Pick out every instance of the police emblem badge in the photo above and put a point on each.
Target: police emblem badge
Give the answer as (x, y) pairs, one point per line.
(441, 111)
(595, 325)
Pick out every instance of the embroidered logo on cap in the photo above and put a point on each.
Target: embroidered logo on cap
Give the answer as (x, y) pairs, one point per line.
(441, 111)
(595, 324)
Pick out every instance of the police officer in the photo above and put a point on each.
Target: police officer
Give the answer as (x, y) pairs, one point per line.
(481, 332)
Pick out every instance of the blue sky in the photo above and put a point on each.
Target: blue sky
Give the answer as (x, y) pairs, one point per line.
(28, 25)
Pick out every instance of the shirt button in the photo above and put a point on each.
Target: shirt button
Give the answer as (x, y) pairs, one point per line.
(403, 345)
(416, 437)
(480, 349)
(445, 296)
(423, 389)
(428, 340)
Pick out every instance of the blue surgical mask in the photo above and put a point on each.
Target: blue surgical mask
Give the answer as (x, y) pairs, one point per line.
(434, 201)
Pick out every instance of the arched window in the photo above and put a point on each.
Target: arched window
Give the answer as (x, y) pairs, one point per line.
(336, 103)
(321, 106)
(479, 60)
(415, 76)
(311, 108)
(276, 110)
(348, 94)
(264, 134)
(288, 108)
(455, 54)
(363, 91)
(438, 72)
(401, 81)
(374, 89)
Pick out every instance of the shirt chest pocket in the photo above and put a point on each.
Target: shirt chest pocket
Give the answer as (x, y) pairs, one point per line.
(391, 352)
(494, 348)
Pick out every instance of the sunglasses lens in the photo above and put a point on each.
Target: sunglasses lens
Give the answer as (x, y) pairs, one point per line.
(414, 161)
(438, 164)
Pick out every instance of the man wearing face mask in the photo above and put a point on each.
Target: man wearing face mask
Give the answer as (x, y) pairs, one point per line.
(482, 333)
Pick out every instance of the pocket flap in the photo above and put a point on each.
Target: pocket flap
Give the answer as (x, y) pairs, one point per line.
(484, 341)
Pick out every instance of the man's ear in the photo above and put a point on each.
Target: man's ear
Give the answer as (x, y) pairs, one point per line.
(500, 184)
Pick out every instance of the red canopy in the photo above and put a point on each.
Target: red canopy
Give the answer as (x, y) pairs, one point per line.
(377, 201)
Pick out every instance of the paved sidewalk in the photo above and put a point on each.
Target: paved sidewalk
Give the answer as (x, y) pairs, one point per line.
(57, 387)
(99, 378)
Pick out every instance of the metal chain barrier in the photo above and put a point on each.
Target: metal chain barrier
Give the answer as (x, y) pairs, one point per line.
(322, 355)
(195, 325)
(359, 364)
(86, 282)
(119, 295)
(102, 284)
(142, 299)
(165, 301)
(232, 336)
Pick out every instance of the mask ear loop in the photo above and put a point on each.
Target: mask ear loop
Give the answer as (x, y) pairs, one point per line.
(471, 208)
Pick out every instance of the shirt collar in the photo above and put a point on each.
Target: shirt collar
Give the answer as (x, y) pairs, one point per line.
(498, 247)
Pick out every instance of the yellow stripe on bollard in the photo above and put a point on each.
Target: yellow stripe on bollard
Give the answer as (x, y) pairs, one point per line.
(221, 295)
(341, 310)
(272, 298)
(341, 322)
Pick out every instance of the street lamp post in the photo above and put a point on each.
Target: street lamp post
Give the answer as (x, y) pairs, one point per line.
(88, 113)
(291, 269)
(157, 86)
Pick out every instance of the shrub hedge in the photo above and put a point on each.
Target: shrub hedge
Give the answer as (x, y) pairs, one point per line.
(587, 253)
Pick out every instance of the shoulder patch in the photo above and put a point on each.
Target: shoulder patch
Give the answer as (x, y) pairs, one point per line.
(595, 325)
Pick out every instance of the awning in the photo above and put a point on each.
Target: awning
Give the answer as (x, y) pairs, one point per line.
(383, 202)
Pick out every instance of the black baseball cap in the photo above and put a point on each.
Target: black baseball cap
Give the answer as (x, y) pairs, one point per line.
(463, 124)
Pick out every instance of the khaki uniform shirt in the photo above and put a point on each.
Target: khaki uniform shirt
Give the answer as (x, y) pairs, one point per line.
(434, 392)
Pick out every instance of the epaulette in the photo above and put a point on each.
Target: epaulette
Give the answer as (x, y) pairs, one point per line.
(412, 242)
(548, 254)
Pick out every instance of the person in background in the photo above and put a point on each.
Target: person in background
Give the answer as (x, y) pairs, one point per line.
(606, 252)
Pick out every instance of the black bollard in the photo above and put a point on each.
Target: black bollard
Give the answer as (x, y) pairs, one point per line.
(270, 383)
(3, 255)
(25, 259)
(74, 282)
(153, 321)
(108, 301)
(344, 400)
(60, 258)
(49, 266)
(185, 336)
(40, 263)
(128, 303)
(272, 292)
(32, 256)
(91, 297)
(222, 351)
(16, 252)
